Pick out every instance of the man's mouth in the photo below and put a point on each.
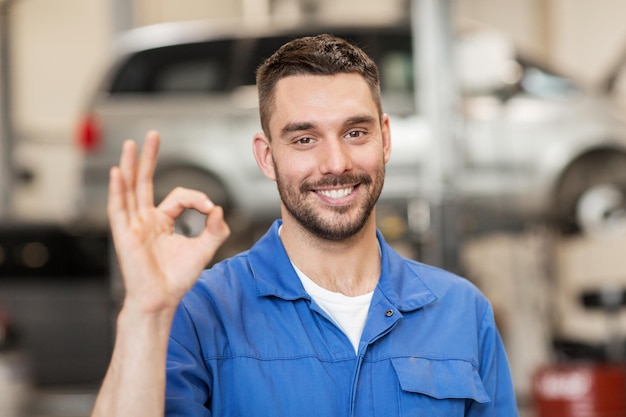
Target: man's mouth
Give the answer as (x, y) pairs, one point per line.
(337, 193)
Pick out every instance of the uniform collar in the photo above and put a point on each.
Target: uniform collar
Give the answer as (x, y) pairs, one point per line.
(274, 275)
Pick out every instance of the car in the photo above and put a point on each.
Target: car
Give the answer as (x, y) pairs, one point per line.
(194, 82)
(533, 144)
(555, 148)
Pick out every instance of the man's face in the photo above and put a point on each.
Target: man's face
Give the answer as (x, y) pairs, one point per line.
(329, 149)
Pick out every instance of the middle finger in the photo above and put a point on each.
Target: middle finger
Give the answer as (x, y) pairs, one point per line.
(128, 169)
(145, 171)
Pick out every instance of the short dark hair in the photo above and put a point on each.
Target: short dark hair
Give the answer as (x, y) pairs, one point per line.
(313, 55)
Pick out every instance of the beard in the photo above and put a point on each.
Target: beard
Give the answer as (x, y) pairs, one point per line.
(334, 223)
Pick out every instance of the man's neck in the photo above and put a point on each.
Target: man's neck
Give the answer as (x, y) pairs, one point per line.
(351, 267)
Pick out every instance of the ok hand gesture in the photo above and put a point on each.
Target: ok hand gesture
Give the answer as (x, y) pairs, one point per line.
(158, 266)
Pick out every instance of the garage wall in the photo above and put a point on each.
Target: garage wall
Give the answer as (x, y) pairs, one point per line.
(57, 47)
(586, 36)
(156, 11)
(580, 38)
(520, 19)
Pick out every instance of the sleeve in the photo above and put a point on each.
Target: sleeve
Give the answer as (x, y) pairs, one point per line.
(494, 372)
(188, 382)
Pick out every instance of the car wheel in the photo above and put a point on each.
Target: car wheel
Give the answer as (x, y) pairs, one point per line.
(601, 210)
(592, 197)
(190, 222)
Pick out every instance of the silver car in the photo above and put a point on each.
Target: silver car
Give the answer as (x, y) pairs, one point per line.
(533, 146)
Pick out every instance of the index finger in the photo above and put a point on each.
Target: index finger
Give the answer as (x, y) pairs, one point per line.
(145, 170)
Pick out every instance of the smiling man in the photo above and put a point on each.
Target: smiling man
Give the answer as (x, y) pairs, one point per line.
(320, 317)
(329, 155)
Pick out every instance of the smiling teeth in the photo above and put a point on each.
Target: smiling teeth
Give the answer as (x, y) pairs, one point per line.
(337, 193)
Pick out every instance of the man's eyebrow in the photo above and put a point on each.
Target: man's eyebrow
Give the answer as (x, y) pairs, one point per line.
(296, 127)
(365, 118)
(302, 126)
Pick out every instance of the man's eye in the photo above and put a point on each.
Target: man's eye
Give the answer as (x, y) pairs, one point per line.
(355, 134)
(304, 141)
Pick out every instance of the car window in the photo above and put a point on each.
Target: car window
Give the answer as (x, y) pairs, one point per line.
(395, 60)
(541, 82)
(391, 51)
(262, 49)
(210, 66)
(196, 67)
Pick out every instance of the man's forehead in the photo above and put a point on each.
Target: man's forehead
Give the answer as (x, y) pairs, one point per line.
(310, 87)
(341, 97)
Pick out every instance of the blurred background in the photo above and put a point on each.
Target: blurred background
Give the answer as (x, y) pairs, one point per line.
(509, 167)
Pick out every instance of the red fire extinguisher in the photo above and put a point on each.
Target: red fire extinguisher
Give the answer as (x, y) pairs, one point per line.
(580, 390)
(587, 388)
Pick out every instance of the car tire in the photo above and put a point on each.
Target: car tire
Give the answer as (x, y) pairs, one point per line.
(601, 211)
(592, 195)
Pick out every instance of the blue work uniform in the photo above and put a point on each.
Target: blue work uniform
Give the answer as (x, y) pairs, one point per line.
(248, 340)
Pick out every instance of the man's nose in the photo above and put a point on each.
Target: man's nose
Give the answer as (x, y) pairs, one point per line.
(335, 157)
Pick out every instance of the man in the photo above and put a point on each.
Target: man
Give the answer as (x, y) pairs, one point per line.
(321, 317)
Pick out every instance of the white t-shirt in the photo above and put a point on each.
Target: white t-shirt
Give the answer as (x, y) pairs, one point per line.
(349, 313)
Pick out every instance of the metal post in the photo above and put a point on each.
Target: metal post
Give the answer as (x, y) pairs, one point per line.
(6, 117)
(436, 98)
(123, 15)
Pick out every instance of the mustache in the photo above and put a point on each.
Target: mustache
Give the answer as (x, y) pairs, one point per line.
(336, 181)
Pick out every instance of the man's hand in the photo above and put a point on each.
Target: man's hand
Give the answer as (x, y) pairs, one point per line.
(158, 266)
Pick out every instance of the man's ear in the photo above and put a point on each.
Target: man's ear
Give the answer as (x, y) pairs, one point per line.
(386, 133)
(262, 149)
